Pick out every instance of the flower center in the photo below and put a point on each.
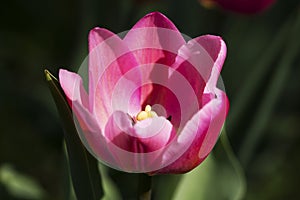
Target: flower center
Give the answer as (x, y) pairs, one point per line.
(147, 113)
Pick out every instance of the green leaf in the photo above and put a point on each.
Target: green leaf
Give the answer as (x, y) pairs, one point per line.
(219, 177)
(20, 185)
(83, 166)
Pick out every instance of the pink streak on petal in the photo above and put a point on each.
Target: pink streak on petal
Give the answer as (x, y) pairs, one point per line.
(203, 129)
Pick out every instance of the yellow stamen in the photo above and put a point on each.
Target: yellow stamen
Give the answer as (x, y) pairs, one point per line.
(148, 113)
(148, 108)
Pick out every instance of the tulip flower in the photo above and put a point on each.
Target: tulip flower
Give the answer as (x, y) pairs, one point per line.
(152, 103)
(240, 6)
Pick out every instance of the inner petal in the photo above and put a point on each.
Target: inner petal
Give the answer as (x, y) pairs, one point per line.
(145, 136)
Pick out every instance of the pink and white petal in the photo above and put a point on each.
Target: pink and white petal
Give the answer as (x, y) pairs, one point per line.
(154, 70)
(153, 133)
(92, 136)
(109, 60)
(155, 19)
(154, 40)
(72, 86)
(100, 56)
(137, 147)
(217, 49)
(144, 136)
(175, 95)
(216, 125)
(86, 124)
(207, 54)
(105, 48)
(191, 84)
(198, 136)
(154, 31)
(126, 92)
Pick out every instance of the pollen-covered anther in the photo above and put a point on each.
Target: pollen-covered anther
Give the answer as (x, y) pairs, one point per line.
(147, 113)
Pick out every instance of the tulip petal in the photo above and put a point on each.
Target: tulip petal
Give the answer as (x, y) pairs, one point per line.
(154, 39)
(137, 147)
(155, 19)
(204, 53)
(99, 57)
(199, 135)
(92, 136)
(158, 43)
(109, 61)
(154, 31)
(72, 85)
(216, 48)
(87, 126)
(144, 136)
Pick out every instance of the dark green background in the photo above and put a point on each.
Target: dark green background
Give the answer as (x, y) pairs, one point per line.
(35, 35)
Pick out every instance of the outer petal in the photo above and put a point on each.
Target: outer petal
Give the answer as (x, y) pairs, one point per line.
(199, 62)
(203, 129)
(100, 56)
(217, 50)
(72, 85)
(206, 54)
(154, 39)
(86, 124)
(154, 31)
(109, 61)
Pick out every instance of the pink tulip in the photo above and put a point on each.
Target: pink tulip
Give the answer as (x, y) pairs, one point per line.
(152, 103)
(240, 6)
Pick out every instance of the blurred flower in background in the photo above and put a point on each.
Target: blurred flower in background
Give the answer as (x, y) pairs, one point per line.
(239, 6)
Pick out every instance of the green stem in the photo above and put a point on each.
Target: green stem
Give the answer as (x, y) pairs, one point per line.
(145, 187)
(278, 80)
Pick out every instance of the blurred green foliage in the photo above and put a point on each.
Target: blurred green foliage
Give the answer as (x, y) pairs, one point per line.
(35, 35)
